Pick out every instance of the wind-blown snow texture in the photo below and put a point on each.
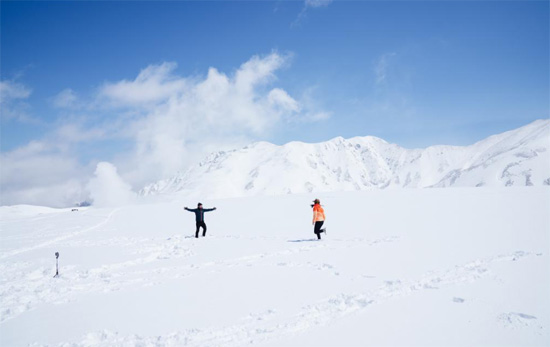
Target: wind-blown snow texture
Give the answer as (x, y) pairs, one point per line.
(418, 267)
(515, 158)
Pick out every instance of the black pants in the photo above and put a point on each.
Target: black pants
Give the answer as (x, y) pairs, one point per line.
(317, 229)
(203, 225)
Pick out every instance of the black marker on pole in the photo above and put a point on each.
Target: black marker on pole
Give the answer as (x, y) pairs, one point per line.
(56, 264)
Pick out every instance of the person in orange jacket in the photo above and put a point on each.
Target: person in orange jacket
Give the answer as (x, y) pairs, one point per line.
(318, 218)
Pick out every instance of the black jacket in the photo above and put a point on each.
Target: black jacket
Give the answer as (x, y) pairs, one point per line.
(199, 212)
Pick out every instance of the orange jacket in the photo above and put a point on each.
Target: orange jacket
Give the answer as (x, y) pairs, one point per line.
(318, 213)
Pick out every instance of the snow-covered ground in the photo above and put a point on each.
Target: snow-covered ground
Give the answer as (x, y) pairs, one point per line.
(453, 266)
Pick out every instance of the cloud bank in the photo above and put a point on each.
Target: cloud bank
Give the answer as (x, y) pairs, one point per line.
(166, 121)
(185, 118)
(40, 174)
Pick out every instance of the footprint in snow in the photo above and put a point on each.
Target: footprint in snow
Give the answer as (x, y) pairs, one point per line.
(515, 320)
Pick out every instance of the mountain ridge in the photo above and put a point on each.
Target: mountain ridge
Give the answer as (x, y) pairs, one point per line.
(517, 157)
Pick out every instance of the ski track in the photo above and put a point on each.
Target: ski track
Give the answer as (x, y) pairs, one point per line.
(58, 239)
(259, 327)
(21, 293)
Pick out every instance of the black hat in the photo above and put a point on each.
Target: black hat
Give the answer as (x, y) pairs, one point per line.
(316, 201)
(199, 204)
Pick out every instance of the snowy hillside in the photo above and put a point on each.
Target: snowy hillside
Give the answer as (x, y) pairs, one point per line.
(515, 158)
(414, 267)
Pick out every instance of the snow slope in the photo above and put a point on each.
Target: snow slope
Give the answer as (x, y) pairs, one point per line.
(418, 267)
(515, 158)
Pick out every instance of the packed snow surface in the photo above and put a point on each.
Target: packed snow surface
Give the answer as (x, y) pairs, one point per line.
(520, 157)
(454, 266)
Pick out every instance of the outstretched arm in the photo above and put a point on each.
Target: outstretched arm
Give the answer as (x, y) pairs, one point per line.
(189, 209)
(209, 209)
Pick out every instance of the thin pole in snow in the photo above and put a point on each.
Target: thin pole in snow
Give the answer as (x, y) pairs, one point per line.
(56, 264)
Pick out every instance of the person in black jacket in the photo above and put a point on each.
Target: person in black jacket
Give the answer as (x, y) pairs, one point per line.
(199, 217)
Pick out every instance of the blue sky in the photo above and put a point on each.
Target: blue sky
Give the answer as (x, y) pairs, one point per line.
(416, 73)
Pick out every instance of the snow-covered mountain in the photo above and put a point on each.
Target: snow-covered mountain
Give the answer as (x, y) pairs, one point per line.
(519, 157)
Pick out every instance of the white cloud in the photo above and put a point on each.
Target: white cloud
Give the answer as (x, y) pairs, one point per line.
(194, 116)
(12, 104)
(108, 189)
(49, 171)
(154, 84)
(317, 3)
(314, 4)
(256, 71)
(65, 99)
(278, 98)
(12, 90)
(40, 174)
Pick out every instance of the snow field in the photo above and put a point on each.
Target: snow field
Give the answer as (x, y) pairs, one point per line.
(454, 266)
